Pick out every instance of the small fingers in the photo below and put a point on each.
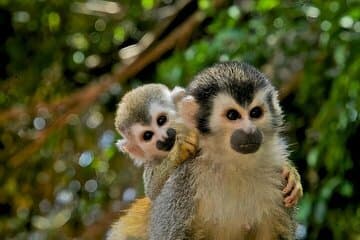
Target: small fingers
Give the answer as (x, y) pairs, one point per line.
(186, 145)
(285, 172)
(290, 185)
(290, 204)
(293, 198)
(190, 142)
(192, 138)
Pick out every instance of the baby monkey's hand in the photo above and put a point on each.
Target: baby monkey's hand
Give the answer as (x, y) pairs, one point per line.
(186, 144)
(293, 190)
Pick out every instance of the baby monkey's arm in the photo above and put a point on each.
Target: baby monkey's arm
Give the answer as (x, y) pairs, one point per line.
(293, 190)
(185, 147)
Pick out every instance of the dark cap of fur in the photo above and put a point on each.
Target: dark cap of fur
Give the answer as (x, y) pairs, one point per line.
(134, 105)
(239, 80)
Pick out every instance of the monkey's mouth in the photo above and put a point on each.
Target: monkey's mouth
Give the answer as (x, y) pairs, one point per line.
(169, 142)
(248, 148)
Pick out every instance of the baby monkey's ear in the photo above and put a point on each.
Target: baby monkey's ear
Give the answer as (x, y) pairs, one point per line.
(121, 145)
(126, 146)
(188, 110)
(177, 94)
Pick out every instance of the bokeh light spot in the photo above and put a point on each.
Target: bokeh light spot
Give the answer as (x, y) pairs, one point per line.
(94, 120)
(100, 25)
(64, 196)
(78, 57)
(39, 123)
(21, 17)
(312, 12)
(86, 158)
(346, 22)
(129, 194)
(91, 185)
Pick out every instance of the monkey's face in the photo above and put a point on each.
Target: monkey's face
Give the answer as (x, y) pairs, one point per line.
(244, 128)
(143, 118)
(238, 110)
(152, 141)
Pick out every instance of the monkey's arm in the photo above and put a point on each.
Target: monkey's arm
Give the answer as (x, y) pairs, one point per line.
(293, 190)
(173, 210)
(185, 147)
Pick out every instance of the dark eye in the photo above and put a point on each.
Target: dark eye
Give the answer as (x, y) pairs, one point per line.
(232, 114)
(148, 135)
(256, 112)
(161, 120)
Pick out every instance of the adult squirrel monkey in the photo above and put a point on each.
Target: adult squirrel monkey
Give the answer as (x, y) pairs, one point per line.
(232, 189)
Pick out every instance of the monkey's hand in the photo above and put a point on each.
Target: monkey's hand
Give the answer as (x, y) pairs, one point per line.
(186, 145)
(293, 190)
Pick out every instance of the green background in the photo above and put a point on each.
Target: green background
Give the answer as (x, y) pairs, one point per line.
(64, 65)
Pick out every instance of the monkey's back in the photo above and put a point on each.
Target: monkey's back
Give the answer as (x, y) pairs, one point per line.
(173, 209)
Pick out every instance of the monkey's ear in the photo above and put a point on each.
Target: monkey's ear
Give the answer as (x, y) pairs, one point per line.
(188, 109)
(121, 145)
(133, 150)
(177, 94)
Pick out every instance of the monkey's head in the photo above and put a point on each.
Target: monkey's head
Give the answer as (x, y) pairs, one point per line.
(143, 119)
(235, 104)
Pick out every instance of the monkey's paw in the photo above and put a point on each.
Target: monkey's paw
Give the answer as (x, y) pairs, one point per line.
(186, 146)
(293, 190)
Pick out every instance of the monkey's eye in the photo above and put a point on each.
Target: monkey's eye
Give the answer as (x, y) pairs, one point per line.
(256, 112)
(232, 114)
(161, 120)
(147, 135)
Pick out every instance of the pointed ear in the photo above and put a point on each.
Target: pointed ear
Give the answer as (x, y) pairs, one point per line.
(130, 148)
(188, 110)
(121, 145)
(177, 94)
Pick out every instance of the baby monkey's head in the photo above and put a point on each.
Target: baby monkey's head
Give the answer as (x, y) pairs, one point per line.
(143, 119)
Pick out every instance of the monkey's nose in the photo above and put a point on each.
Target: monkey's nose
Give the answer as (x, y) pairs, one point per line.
(168, 142)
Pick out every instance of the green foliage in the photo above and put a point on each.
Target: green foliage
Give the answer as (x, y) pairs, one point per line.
(51, 49)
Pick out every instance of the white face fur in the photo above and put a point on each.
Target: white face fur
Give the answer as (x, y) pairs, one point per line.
(147, 136)
(227, 116)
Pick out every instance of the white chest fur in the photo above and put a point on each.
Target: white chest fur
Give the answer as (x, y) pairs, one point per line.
(237, 192)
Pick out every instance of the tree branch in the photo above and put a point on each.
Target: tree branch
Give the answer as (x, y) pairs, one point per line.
(86, 97)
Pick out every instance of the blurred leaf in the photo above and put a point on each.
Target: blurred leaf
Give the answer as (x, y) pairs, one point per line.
(265, 5)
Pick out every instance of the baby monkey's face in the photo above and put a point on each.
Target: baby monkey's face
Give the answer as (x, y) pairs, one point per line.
(157, 138)
(153, 141)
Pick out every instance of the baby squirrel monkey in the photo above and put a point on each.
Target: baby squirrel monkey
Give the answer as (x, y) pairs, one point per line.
(153, 136)
(233, 188)
(145, 119)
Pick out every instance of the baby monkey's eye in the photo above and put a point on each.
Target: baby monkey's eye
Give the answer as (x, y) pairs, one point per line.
(256, 112)
(161, 120)
(232, 114)
(147, 135)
